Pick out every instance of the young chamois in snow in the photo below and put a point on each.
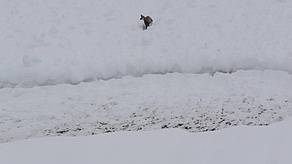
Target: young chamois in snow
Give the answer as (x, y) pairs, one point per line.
(147, 20)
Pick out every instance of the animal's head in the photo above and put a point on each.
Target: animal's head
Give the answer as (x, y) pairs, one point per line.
(142, 17)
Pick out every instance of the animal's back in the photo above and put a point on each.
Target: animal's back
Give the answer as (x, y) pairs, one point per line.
(148, 19)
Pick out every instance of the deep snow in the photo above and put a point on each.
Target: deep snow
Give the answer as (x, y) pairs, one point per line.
(60, 41)
(240, 145)
(201, 66)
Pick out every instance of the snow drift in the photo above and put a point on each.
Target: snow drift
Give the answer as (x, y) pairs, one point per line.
(43, 43)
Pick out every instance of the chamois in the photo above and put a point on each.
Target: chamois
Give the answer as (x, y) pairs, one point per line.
(147, 20)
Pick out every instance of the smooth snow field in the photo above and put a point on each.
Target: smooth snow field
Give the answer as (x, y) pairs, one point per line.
(240, 145)
(82, 68)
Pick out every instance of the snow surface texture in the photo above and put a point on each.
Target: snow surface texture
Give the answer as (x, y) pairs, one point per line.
(59, 41)
(43, 43)
(240, 145)
(193, 102)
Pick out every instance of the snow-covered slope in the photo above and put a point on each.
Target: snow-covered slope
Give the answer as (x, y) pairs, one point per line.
(193, 102)
(173, 75)
(240, 145)
(58, 41)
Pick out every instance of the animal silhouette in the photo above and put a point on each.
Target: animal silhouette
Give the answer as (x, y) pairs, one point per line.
(147, 20)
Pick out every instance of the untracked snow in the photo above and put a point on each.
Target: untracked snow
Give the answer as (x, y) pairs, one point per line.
(50, 42)
(240, 145)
